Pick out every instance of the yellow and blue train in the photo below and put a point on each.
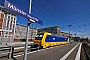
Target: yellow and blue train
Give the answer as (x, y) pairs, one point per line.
(47, 39)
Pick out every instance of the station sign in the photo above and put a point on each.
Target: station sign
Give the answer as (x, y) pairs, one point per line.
(19, 11)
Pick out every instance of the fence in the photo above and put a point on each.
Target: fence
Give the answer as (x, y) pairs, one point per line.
(3, 51)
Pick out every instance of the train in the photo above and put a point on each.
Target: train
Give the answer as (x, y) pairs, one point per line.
(46, 39)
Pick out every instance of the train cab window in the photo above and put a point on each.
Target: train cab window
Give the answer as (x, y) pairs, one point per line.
(39, 37)
(48, 36)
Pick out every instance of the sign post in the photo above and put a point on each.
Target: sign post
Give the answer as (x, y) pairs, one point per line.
(26, 44)
(27, 34)
(30, 18)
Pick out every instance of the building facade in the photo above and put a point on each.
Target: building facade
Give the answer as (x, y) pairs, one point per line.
(64, 34)
(20, 33)
(54, 30)
(7, 25)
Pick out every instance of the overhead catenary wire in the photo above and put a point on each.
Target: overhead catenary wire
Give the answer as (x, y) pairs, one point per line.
(54, 18)
(45, 11)
(49, 7)
(73, 23)
(86, 28)
(36, 9)
(86, 25)
(79, 21)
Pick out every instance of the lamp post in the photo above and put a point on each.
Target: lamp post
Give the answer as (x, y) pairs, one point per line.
(79, 37)
(69, 31)
(75, 36)
(84, 30)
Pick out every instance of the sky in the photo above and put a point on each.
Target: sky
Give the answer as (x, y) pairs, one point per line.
(58, 13)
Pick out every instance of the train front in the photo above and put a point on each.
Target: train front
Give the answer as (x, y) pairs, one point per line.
(38, 39)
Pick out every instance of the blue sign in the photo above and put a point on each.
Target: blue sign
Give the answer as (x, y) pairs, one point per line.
(17, 10)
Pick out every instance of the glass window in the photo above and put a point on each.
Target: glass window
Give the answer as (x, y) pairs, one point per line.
(4, 27)
(40, 35)
(48, 36)
(10, 26)
(8, 16)
(13, 26)
(12, 14)
(14, 18)
(37, 35)
(11, 18)
(4, 20)
(8, 21)
(2, 10)
(12, 30)
(5, 15)
(7, 25)
(11, 22)
(9, 13)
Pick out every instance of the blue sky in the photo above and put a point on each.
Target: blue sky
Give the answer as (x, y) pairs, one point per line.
(60, 13)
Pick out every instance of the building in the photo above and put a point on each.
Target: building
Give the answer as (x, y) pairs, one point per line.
(64, 34)
(20, 33)
(7, 25)
(71, 35)
(54, 30)
(76, 38)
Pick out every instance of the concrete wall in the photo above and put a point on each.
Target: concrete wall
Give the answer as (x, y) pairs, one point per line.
(3, 40)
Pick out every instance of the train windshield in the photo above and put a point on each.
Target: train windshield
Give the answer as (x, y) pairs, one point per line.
(39, 36)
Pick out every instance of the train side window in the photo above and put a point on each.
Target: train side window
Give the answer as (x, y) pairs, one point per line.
(48, 36)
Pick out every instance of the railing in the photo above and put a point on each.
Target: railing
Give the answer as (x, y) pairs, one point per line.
(4, 52)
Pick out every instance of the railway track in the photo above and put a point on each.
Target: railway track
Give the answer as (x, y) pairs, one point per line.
(20, 53)
(87, 50)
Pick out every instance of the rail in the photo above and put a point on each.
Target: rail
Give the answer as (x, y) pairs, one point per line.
(87, 50)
